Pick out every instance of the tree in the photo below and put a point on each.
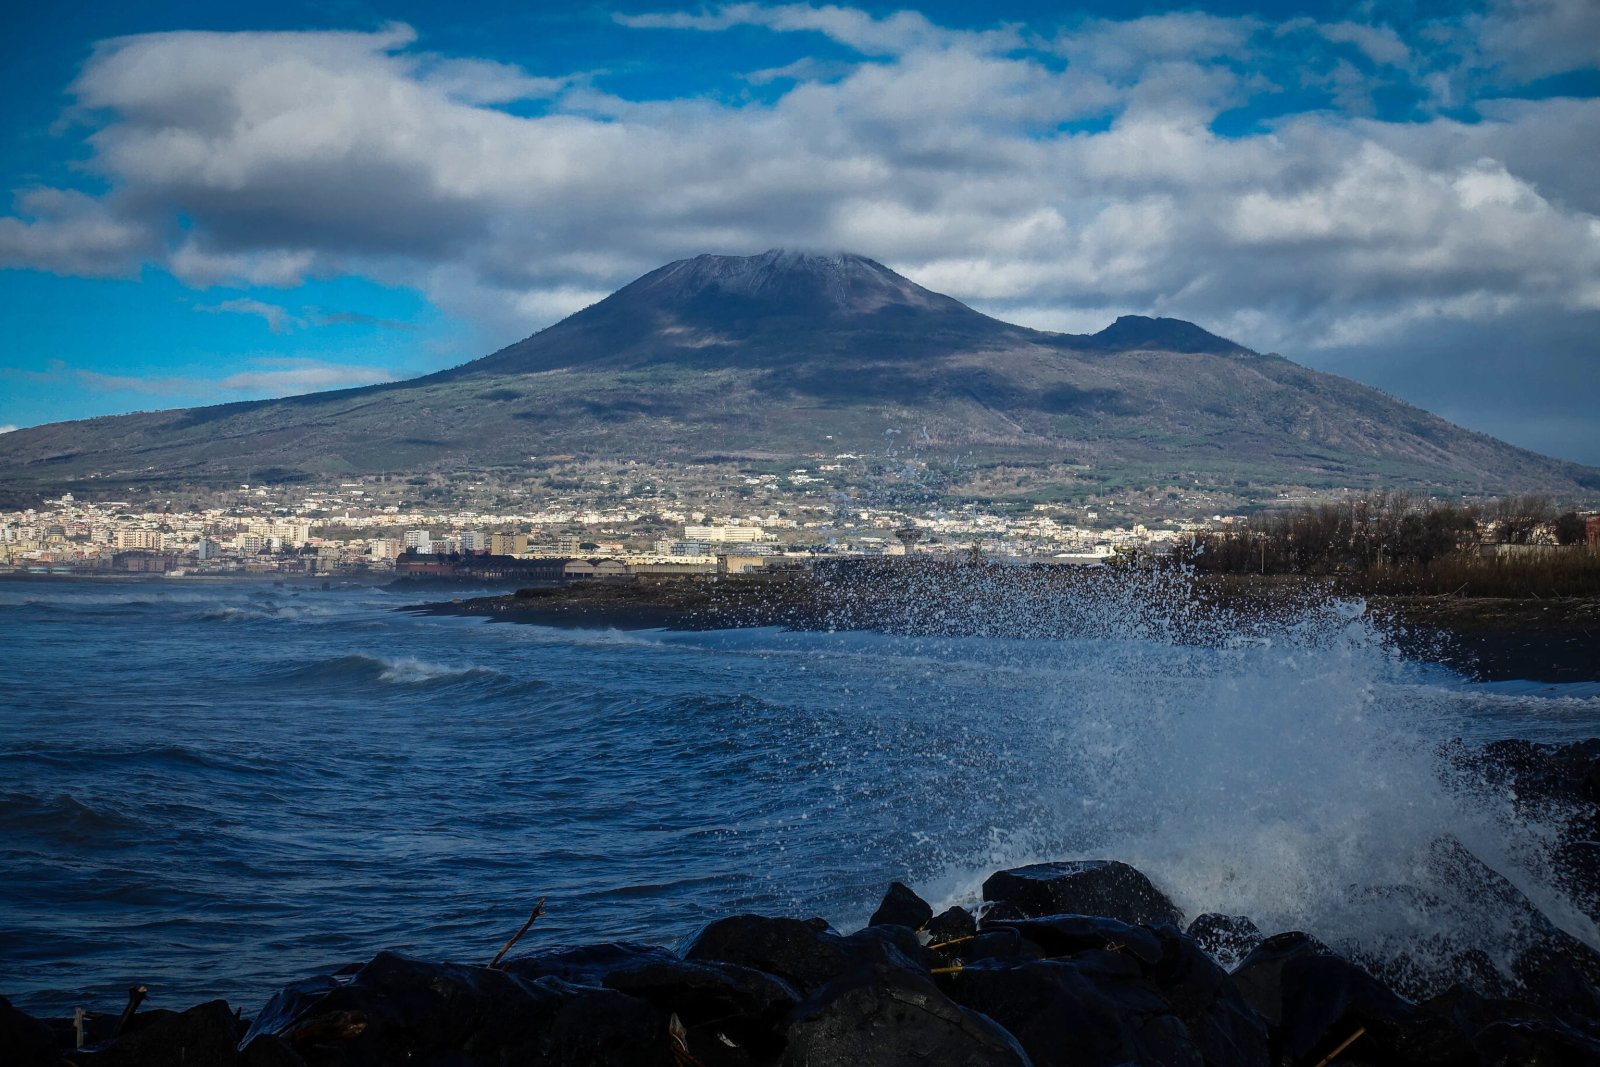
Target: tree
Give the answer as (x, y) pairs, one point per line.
(1519, 516)
(1570, 528)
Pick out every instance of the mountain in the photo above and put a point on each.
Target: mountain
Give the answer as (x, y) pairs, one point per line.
(787, 354)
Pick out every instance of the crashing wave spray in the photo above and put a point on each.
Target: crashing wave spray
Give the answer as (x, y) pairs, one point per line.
(1288, 768)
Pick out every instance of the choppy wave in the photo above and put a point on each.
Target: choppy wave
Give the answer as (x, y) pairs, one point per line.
(322, 776)
(363, 671)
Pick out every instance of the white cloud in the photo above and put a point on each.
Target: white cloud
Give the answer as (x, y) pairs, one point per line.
(264, 376)
(1533, 38)
(8, 428)
(1056, 178)
(71, 233)
(896, 34)
(278, 319)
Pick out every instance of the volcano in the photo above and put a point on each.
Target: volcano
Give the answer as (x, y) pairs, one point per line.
(788, 354)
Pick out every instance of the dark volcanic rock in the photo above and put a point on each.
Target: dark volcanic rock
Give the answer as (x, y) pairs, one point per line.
(1314, 1000)
(902, 907)
(1096, 1009)
(205, 1034)
(891, 1018)
(728, 1014)
(1554, 969)
(1224, 1027)
(585, 964)
(951, 925)
(805, 954)
(1064, 935)
(397, 1010)
(1229, 938)
(24, 1039)
(1078, 887)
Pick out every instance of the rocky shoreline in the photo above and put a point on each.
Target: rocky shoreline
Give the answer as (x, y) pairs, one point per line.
(1081, 962)
(1486, 638)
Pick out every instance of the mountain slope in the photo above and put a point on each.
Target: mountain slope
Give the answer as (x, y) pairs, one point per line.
(786, 354)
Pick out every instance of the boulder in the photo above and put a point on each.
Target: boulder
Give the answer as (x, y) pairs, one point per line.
(951, 924)
(725, 1014)
(1517, 1043)
(891, 1018)
(1000, 943)
(1107, 888)
(269, 1050)
(1500, 1032)
(205, 1034)
(1066, 935)
(902, 907)
(1228, 938)
(1314, 1000)
(396, 1010)
(586, 964)
(1225, 1029)
(1096, 1009)
(26, 1040)
(807, 954)
(1552, 968)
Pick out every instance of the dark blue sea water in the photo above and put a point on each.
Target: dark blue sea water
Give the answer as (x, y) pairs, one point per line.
(216, 788)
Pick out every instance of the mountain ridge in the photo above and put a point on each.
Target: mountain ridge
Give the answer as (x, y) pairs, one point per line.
(791, 353)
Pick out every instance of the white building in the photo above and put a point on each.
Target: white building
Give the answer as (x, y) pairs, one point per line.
(726, 535)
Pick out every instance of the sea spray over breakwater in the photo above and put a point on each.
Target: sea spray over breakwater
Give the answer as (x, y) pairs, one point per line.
(330, 777)
(1276, 768)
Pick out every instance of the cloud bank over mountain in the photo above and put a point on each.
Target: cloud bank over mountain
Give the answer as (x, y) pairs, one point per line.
(1345, 191)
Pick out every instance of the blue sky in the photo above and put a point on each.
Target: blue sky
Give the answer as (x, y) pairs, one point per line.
(214, 202)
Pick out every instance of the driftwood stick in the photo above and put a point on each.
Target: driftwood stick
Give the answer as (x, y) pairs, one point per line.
(954, 941)
(136, 995)
(1346, 1043)
(538, 910)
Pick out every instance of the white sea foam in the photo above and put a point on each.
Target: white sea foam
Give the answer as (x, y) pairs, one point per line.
(1294, 775)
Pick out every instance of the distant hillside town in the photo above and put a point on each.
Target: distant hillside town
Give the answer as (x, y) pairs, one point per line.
(353, 530)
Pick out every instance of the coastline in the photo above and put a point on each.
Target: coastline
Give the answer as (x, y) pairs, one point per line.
(1484, 638)
(1067, 962)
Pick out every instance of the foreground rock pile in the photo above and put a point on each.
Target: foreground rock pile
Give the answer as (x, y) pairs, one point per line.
(1074, 963)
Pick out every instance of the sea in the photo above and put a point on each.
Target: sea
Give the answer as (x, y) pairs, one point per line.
(214, 788)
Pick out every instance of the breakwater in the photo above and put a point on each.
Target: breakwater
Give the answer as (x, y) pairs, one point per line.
(1082, 963)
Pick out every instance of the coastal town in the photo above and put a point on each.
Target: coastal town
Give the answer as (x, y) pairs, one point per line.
(583, 518)
(350, 530)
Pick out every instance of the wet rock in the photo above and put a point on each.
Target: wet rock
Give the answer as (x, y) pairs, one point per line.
(25, 1038)
(902, 907)
(892, 1018)
(1577, 863)
(1502, 1032)
(1066, 935)
(951, 924)
(1097, 1009)
(289, 1004)
(586, 964)
(1228, 938)
(205, 1034)
(1314, 1000)
(1530, 1044)
(999, 944)
(1223, 1026)
(1078, 887)
(1569, 772)
(397, 1010)
(727, 1014)
(269, 1050)
(1553, 968)
(901, 940)
(807, 955)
